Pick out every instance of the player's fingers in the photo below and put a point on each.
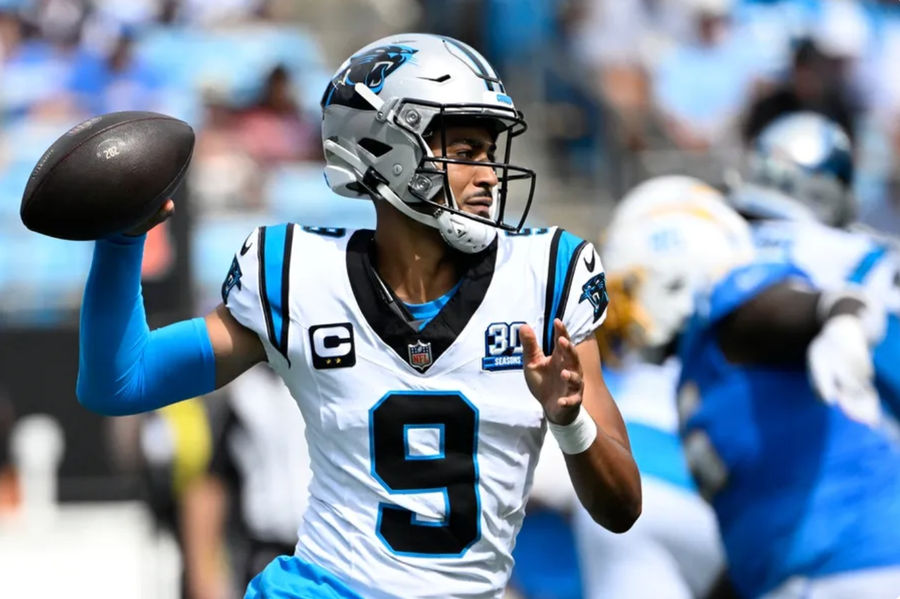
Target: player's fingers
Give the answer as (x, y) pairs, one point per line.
(560, 329)
(573, 379)
(164, 213)
(531, 350)
(569, 401)
(569, 353)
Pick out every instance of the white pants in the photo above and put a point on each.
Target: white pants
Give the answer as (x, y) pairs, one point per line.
(875, 583)
(672, 551)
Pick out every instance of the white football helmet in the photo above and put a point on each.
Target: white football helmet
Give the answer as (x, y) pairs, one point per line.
(800, 168)
(669, 238)
(382, 106)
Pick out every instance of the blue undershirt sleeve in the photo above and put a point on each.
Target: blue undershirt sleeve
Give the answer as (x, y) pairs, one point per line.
(123, 367)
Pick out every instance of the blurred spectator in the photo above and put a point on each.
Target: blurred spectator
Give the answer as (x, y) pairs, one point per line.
(617, 42)
(117, 80)
(700, 87)
(35, 58)
(812, 85)
(274, 130)
(134, 13)
(223, 175)
(206, 13)
(460, 19)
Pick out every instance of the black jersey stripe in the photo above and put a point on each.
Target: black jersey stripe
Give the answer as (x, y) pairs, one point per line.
(551, 289)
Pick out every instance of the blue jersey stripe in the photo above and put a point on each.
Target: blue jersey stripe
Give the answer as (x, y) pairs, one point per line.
(275, 251)
(867, 263)
(563, 251)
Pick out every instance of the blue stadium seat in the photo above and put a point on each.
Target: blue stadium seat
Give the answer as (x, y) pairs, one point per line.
(300, 194)
(237, 60)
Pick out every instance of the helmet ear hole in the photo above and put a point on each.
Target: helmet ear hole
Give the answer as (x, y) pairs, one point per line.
(374, 147)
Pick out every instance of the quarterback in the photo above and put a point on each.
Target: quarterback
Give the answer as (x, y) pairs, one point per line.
(428, 357)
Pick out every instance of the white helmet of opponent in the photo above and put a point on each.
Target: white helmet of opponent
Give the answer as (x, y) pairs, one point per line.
(669, 238)
(384, 104)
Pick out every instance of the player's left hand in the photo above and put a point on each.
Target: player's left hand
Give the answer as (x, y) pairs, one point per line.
(841, 371)
(555, 380)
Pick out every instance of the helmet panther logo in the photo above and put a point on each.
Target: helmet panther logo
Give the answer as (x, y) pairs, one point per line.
(370, 68)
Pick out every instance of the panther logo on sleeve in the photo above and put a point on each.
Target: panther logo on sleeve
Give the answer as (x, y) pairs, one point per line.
(231, 280)
(594, 291)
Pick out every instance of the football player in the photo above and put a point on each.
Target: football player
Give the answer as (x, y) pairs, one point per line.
(798, 195)
(427, 357)
(804, 490)
(657, 261)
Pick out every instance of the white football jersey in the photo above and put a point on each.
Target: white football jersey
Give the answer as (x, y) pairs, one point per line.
(422, 443)
(834, 257)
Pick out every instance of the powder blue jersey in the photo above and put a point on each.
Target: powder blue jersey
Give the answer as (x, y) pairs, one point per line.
(833, 258)
(798, 487)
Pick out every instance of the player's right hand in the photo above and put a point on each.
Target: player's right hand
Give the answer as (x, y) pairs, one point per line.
(164, 213)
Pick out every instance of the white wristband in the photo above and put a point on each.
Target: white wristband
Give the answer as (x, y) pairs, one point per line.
(576, 436)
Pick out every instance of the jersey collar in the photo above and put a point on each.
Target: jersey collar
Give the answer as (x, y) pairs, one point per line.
(391, 321)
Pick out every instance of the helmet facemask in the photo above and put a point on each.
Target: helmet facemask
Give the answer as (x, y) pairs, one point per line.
(429, 190)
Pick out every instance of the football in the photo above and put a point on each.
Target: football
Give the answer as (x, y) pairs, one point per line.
(107, 174)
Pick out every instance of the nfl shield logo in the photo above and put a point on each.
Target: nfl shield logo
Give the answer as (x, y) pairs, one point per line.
(420, 355)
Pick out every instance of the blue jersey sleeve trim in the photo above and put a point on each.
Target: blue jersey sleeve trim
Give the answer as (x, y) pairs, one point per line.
(745, 283)
(867, 263)
(123, 368)
(564, 249)
(274, 271)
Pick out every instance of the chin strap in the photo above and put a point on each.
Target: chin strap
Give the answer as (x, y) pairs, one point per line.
(464, 234)
(461, 233)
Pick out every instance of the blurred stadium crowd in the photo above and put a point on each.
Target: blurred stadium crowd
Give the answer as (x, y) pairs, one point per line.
(615, 91)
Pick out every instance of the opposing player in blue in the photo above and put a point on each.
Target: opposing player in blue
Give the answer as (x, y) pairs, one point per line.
(798, 196)
(805, 493)
(654, 273)
(781, 418)
(405, 347)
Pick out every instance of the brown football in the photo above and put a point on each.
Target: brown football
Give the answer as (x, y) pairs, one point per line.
(106, 175)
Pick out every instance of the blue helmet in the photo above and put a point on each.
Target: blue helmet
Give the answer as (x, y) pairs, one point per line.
(800, 167)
